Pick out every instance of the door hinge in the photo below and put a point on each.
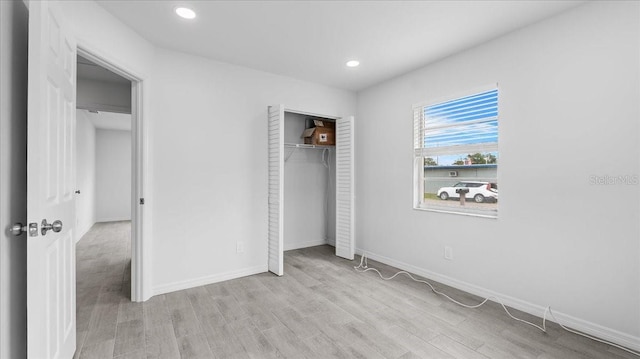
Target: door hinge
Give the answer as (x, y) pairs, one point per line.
(141, 200)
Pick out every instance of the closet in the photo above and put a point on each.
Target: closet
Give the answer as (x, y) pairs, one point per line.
(311, 186)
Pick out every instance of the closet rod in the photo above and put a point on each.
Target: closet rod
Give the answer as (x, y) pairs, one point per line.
(296, 146)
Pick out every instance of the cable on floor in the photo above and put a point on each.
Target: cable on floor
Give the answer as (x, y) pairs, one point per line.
(363, 267)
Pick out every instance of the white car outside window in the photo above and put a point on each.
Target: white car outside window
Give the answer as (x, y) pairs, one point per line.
(478, 191)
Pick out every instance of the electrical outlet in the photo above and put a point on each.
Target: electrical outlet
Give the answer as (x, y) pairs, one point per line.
(448, 253)
(239, 247)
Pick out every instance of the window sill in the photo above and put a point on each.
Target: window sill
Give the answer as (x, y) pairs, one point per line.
(470, 212)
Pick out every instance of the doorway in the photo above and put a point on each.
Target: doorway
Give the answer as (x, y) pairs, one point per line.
(103, 146)
(109, 100)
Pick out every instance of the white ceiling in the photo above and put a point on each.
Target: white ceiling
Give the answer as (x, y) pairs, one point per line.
(312, 40)
(109, 120)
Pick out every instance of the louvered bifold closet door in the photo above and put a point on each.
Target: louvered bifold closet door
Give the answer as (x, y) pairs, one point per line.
(276, 186)
(345, 194)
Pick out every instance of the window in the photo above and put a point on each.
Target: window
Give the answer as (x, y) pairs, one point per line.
(456, 155)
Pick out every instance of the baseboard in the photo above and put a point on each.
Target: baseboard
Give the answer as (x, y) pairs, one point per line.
(221, 277)
(113, 219)
(593, 329)
(298, 245)
(331, 242)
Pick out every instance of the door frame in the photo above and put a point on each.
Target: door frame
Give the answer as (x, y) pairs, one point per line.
(140, 258)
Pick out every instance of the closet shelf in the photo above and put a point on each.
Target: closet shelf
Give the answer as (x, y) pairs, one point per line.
(305, 146)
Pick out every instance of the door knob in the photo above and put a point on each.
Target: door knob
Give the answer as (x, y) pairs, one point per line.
(56, 226)
(18, 228)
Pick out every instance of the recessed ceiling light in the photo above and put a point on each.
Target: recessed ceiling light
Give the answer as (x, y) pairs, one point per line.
(186, 13)
(353, 63)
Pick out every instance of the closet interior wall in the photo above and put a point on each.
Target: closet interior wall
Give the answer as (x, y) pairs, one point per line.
(309, 189)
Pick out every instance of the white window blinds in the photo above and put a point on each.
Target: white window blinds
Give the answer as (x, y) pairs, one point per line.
(464, 125)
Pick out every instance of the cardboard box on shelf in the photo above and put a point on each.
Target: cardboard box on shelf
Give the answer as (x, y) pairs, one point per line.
(323, 134)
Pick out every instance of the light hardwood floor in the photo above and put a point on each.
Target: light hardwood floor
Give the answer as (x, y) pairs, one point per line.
(320, 308)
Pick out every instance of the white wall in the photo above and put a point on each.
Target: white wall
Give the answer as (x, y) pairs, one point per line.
(102, 34)
(113, 175)
(13, 177)
(569, 90)
(209, 169)
(85, 174)
(309, 215)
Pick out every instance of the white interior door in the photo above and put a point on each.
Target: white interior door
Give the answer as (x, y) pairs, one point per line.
(345, 193)
(51, 322)
(276, 189)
